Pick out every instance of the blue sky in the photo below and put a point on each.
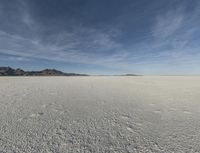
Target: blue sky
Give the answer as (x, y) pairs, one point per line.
(102, 36)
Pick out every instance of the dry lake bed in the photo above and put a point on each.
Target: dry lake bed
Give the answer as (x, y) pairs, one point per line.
(100, 114)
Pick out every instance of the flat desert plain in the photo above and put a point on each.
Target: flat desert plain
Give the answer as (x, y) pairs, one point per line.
(100, 114)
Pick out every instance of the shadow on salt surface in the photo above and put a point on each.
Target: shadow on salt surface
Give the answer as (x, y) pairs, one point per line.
(172, 109)
(53, 107)
(31, 116)
(36, 115)
(125, 117)
(187, 112)
(157, 111)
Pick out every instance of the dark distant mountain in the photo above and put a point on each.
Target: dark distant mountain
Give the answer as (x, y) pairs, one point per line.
(8, 71)
(131, 75)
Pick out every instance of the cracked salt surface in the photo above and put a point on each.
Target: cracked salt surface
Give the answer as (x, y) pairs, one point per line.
(100, 114)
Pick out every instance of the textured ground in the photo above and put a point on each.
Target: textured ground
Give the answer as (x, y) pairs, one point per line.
(100, 114)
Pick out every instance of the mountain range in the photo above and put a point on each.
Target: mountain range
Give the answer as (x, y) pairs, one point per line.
(8, 71)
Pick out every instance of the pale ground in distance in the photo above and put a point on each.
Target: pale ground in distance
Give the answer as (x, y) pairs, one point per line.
(100, 114)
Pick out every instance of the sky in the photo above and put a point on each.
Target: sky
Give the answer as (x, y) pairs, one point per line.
(150, 37)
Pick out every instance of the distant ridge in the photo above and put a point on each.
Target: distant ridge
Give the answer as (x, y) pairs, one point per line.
(8, 71)
(131, 75)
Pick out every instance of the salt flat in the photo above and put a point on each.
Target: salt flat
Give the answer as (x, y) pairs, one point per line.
(100, 114)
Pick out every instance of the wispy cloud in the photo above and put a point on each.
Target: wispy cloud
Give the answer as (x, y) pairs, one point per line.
(168, 24)
(68, 47)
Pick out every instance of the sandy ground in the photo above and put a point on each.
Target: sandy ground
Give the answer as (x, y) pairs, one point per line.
(100, 114)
